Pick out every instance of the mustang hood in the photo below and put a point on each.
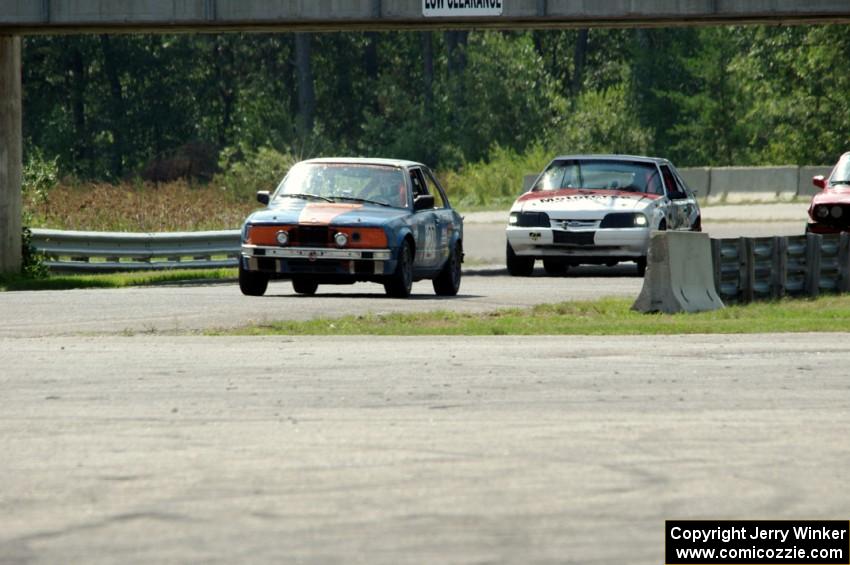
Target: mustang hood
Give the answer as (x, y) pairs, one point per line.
(327, 213)
(591, 203)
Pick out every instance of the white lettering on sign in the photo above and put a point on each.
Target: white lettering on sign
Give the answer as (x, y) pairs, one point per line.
(449, 8)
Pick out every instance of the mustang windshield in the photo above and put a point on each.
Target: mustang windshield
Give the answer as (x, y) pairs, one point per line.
(345, 182)
(597, 174)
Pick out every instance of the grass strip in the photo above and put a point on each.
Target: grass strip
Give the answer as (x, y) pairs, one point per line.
(114, 280)
(610, 316)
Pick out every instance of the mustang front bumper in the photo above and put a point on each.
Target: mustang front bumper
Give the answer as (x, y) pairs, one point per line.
(548, 242)
(317, 260)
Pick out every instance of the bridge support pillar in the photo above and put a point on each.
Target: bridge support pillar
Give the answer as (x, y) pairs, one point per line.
(10, 153)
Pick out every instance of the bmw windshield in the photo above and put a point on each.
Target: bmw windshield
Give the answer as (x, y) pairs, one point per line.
(841, 175)
(597, 174)
(345, 182)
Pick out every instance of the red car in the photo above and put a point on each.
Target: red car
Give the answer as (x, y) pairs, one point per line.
(830, 210)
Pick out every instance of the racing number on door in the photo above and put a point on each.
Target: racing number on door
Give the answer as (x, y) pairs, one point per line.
(430, 249)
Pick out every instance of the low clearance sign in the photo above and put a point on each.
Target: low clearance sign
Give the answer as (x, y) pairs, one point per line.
(443, 8)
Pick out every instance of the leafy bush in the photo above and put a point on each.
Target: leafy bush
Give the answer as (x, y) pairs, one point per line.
(497, 181)
(32, 264)
(245, 170)
(39, 178)
(40, 175)
(601, 121)
(193, 160)
(598, 122)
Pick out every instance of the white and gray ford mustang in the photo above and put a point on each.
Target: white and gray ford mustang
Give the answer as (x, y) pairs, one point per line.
(597, 209)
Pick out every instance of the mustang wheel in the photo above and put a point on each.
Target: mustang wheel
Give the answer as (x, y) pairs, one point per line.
(697, 224)
(518, 266)
(303, 285)
(555, 267)
(252, 283)
(398, 284)
(447, 282)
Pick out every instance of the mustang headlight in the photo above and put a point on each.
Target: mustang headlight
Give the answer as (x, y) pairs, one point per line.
(624, 220)
(340, 239)
(282, 237)
(529, 220)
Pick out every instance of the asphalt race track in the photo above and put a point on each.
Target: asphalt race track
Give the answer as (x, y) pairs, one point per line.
(128, 438)
(176, 449)
(196, 307)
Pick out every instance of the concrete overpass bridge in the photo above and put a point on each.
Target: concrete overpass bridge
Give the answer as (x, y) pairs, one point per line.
(23, 17)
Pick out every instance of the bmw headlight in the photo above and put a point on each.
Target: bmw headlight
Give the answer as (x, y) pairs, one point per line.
(836, 212)
(340, 239)
(282, 237)
(821, 212)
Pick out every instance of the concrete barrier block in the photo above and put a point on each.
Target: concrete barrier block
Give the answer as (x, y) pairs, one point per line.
(805, 187)
(679, 275)
(741, 184)
(698, 179)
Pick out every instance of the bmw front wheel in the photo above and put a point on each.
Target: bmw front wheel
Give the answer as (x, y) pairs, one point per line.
(252, 283)
(400, 282)
(447, 282)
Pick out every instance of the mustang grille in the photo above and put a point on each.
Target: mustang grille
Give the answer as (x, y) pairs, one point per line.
(573, 238)
(577, 224)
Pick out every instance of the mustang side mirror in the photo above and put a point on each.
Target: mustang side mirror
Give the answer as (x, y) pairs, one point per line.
(819, 182)
(423, 202)
(263, 196)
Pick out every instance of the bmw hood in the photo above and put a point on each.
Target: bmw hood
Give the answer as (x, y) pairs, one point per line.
(584, 204)
(327, 213)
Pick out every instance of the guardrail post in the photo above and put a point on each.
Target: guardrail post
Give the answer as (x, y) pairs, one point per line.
(746, 256)
(844, 263)
(830, 269)
(780, 267)
(813, 252)
(716, 262)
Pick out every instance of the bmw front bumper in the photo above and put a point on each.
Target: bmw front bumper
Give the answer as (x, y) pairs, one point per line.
(318, 261)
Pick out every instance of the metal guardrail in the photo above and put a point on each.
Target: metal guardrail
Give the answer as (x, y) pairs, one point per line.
(85, 251)
(766, 268)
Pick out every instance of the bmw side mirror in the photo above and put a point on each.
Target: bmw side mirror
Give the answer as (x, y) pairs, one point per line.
(819, 181)
(263, 196)
(423, 202)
